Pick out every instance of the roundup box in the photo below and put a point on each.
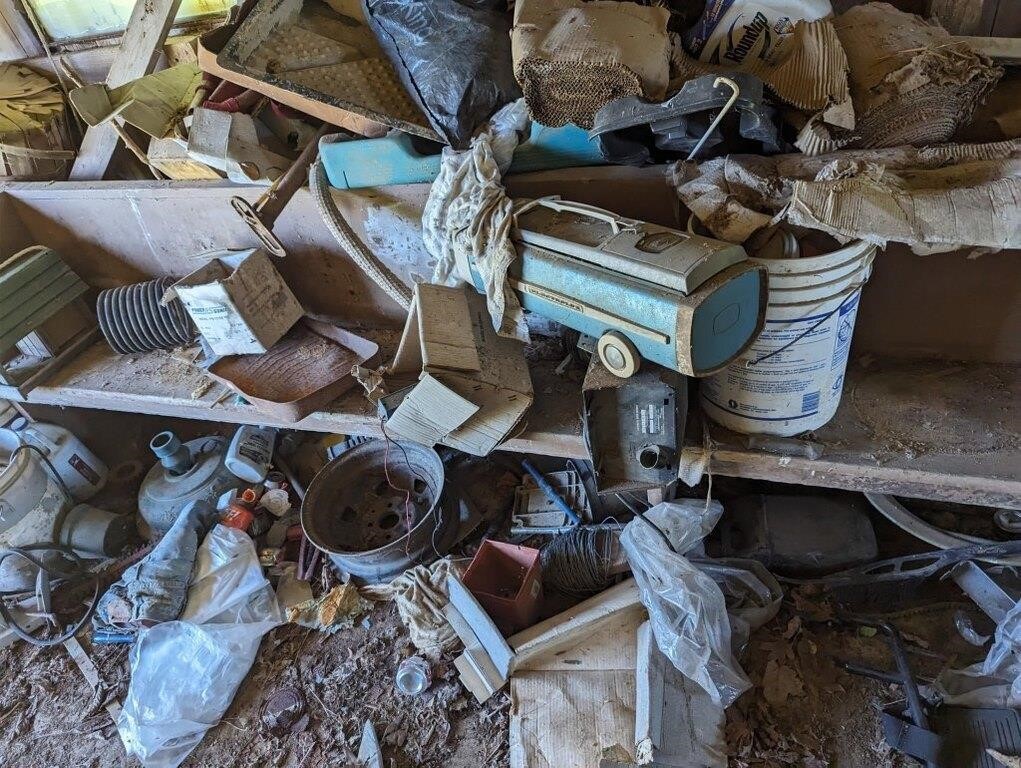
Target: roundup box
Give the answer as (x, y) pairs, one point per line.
(239, 302)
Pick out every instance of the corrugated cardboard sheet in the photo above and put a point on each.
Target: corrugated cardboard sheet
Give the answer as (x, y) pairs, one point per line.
(911, 83)
(573, 708)
(934, 199)
(572, 57)
(812, 77)
(473, 386)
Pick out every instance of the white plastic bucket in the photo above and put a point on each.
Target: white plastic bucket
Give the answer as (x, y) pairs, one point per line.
(791, 379)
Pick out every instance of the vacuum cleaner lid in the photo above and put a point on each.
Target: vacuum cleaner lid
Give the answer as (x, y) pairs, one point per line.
(660, 255)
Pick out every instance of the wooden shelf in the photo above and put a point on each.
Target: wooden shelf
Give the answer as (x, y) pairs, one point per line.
(930, 430)
(161, 384)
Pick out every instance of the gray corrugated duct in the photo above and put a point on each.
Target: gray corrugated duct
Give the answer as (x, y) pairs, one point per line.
(380, 274)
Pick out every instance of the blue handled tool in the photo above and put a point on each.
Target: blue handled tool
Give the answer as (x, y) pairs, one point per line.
(550, 491)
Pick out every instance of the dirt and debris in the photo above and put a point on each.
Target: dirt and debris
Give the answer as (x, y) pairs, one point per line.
(806, 710)
(345, 679)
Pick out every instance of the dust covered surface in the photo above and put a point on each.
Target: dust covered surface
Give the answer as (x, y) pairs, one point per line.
(807, 711)
(49, 714)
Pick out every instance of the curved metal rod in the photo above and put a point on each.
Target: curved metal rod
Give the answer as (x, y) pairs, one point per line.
(736, 91)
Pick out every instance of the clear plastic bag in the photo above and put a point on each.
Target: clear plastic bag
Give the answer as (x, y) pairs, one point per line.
(994, 682)
(184, 674)
(687, 608)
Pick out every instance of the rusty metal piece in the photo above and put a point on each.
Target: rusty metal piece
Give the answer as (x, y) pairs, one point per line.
(285, 711)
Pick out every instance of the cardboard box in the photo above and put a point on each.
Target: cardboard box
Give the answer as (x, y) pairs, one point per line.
(473, 385)
(239, 302)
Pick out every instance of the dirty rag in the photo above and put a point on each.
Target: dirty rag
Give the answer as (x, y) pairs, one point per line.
(468, 217)
(934, 199)
(155, 589)
(184, 673)
(421, 594)
(691, 621)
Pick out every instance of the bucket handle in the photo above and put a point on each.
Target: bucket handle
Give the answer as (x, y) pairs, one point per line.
(853, 291)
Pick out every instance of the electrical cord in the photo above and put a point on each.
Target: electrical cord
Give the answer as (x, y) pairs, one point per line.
(578, 562)
(25, 553)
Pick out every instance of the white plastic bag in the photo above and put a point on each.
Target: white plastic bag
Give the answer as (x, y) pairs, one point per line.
(184, 674)
(686, 606)
(994, 682)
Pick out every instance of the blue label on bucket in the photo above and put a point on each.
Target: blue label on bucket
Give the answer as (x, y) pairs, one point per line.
(793, 372)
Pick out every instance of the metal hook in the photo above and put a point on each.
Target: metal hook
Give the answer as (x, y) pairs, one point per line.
(726, 108)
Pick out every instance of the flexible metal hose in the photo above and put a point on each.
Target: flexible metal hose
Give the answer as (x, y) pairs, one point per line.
(377, 271)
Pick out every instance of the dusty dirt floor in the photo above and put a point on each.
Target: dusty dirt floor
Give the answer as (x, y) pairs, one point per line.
(804, 710)
(49, 714)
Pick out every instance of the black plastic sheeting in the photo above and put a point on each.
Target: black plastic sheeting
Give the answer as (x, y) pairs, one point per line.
(453, 56)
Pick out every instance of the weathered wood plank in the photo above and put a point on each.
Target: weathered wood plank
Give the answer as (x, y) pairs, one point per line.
(139, 51)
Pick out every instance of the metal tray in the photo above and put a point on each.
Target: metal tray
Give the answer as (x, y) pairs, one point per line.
(305, 371)
(315, 59)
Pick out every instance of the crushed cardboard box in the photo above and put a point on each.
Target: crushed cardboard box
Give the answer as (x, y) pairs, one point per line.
(572, 57)
(934, 199)
(239, 302)
(590, 685)
(152, 103)
(473, 386)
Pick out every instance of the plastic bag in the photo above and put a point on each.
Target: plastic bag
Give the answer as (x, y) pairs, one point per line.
(687, 607)
(184, 674)
(994, 682)
(453, 56)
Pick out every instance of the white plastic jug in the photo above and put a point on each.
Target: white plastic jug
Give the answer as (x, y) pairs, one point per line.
(80, 469)
(30, 499)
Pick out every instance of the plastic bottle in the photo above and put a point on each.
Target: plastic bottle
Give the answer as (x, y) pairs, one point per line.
(240, 512)
(80, 469)
(251, 452)
(414, 676)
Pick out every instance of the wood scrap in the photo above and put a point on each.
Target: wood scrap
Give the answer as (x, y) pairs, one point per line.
(140, 49)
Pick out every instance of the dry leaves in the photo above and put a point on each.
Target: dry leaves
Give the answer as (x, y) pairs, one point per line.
(781, 682)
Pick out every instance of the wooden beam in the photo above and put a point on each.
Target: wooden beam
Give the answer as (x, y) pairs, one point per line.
(139, 52)
(16, 30)
(1004, 50)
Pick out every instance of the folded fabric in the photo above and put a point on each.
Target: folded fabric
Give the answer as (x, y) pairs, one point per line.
(155, 589)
